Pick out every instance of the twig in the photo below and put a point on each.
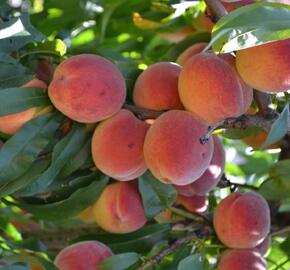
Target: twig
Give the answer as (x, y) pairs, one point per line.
(216, 8)
(283, 232)
(142, 113)
(264, 101)
(183, 241)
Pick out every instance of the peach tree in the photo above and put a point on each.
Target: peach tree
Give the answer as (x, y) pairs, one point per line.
(139, 134)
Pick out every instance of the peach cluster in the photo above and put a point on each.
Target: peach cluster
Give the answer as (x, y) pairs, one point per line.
(242, 223)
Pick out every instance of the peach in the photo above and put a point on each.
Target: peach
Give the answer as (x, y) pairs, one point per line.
(85, 255)
(210, 87)
(264, 246)
(87, 215)
(191, 51)
(119, 209)
(195, 204)
(241, 259)
(266, 67)
(117, 146)
(36, 267)
(172, 148)
(242, 220)
(256, 140)
(87, 88)
(211, 176)
(156, 88)
(10, 124)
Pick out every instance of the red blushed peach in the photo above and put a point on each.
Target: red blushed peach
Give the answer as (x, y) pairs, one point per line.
(242, 220)
(210, 177)
(172, 148)
(87, 88)
(194, 204)
(119, 209)
(210, 88)
(10, 124)
(85, 255)
(190, 51)
(117, 146)
(241, 259)
(157, 87)
(266, 67)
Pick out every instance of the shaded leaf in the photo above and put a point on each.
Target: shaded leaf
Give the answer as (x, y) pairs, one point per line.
(193, 262)
(120, 261)
(156, 196)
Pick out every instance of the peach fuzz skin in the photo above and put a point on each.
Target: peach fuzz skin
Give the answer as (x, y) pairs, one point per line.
(87, 88)
(119, 209)
(210, 177)
(156, 88)
(195, 204)
(190, 51)
(10, 124)
(205, 94)
(172, 148)
(117, 146)
(242, 220)
(85, 255)
(241, 259)
(266, 67)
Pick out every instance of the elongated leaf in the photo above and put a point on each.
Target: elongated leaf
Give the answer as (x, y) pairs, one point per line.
(14, 81)
(277, 187)
(13, 267)
(250, 26)
(71, 206)
(20, 99)
(28, 177)
(156, 196)
(120, 261)
(17, 32)
(194, 262)
(21, 150)
(279, 129)
(63, 152)
(140, 241)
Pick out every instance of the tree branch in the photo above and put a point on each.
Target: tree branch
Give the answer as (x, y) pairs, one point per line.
(216, 8)
(196, 236)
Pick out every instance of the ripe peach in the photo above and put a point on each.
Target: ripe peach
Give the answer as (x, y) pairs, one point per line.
(117, 146)
(211, 176)
(34, 266)
(87, 88)
(190, 51)
(172, 148)
(10, 124)
(194, 204)
(156, 88)
(266, 67)
(204, 93)
(119, 209)
(85, 255)
(242, 220)
(241, 259)
(256, 140)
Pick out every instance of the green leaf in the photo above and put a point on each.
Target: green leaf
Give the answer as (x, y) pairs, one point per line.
(63, 152)
(14, 81)
(277, 187)
(21, 150)
(120, 261)
(36, 169)
(74, 204)
(13, 267)
(21, 99)
(56, 47)
(250, 26)
(156, 196)
(140, 241)
(193, 262)
(17, 32)
(279, 128)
